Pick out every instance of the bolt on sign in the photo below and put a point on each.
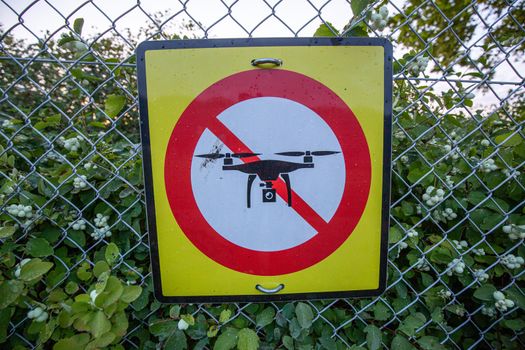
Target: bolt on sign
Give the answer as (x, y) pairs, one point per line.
(267, 167)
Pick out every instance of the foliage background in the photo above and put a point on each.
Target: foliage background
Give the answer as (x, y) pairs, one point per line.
(70, 151)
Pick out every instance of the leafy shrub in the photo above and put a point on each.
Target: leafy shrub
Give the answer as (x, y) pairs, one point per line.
(74, 254)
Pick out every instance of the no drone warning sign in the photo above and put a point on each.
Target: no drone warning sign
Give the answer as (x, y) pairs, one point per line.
(267, 165)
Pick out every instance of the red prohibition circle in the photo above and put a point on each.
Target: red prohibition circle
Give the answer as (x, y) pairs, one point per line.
(202, 113)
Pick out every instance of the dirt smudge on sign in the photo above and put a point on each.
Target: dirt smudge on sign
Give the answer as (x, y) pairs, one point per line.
(216, 148)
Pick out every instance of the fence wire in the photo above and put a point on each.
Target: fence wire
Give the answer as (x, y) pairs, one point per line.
(70, 150)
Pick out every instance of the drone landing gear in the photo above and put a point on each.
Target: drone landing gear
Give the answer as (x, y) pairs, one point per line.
(251, 178)
(286, 179)
(268, 193)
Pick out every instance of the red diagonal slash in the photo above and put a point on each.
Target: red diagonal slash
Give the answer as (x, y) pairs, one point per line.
(237, 146)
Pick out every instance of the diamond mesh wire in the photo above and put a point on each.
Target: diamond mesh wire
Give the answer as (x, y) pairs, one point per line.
(54, 91)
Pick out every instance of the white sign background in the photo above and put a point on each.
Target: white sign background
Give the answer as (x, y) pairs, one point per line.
(268, 125)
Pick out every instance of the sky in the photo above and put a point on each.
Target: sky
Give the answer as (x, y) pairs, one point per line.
(243, 18)
(295, 13)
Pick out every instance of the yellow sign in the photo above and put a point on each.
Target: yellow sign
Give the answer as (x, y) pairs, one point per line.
(267, 167)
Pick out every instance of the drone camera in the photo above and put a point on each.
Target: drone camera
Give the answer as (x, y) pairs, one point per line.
(268, 195)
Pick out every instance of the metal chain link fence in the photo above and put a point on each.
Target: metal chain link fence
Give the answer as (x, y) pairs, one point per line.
(70, 160)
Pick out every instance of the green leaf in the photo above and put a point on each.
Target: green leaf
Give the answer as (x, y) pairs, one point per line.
(5, 317)
(77, 25)
(440, 256)
(101, 342)
(225, 316)
(430, 343)
(7, 231)
(426, 279)
(401, 290)
(476, 197)
(358, 6)
(247, 339)
(114, 104)
(39, 247)
(328, 342)
(485, 292)
(517, 296)
(75, 342)
(130, 293)
(55, 119)
(401, 343)
(407, 208)
(373, 337)
(176, 341)
(34, 269)
(491, 221)
(101, 282)
(227, 340)
(188, 318)
(71, 287)
(359, 29)
(83, 272)
(120, 324)
(411, 323)
(76, 236)
(34, 327)
(437, 315)
(201, 344)
(288, 342)
(381, 312)
(515, 325)
(416, 171)
(512, 141)
(111, 293)
(265, 317)
(394, 235)
(99, 324)
(40, 125)
(65, 39)
(200, 328)
(49, 122)
(81, 323)
(143, 300)
(112, 253)
(304, 315)
(175, 311)
(212, 331)
(295, 328)
(100, 267)
(326, 30)
(99, 125)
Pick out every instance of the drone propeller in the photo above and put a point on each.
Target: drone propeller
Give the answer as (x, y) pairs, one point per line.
(227, 155)
(307, 153)
(291, 154)
(244, 155)
(324, 153)
(211, 155)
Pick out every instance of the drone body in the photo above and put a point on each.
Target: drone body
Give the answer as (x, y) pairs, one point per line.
(268, 170)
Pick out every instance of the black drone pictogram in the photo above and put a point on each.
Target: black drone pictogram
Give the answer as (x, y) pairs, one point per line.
(267, 170)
